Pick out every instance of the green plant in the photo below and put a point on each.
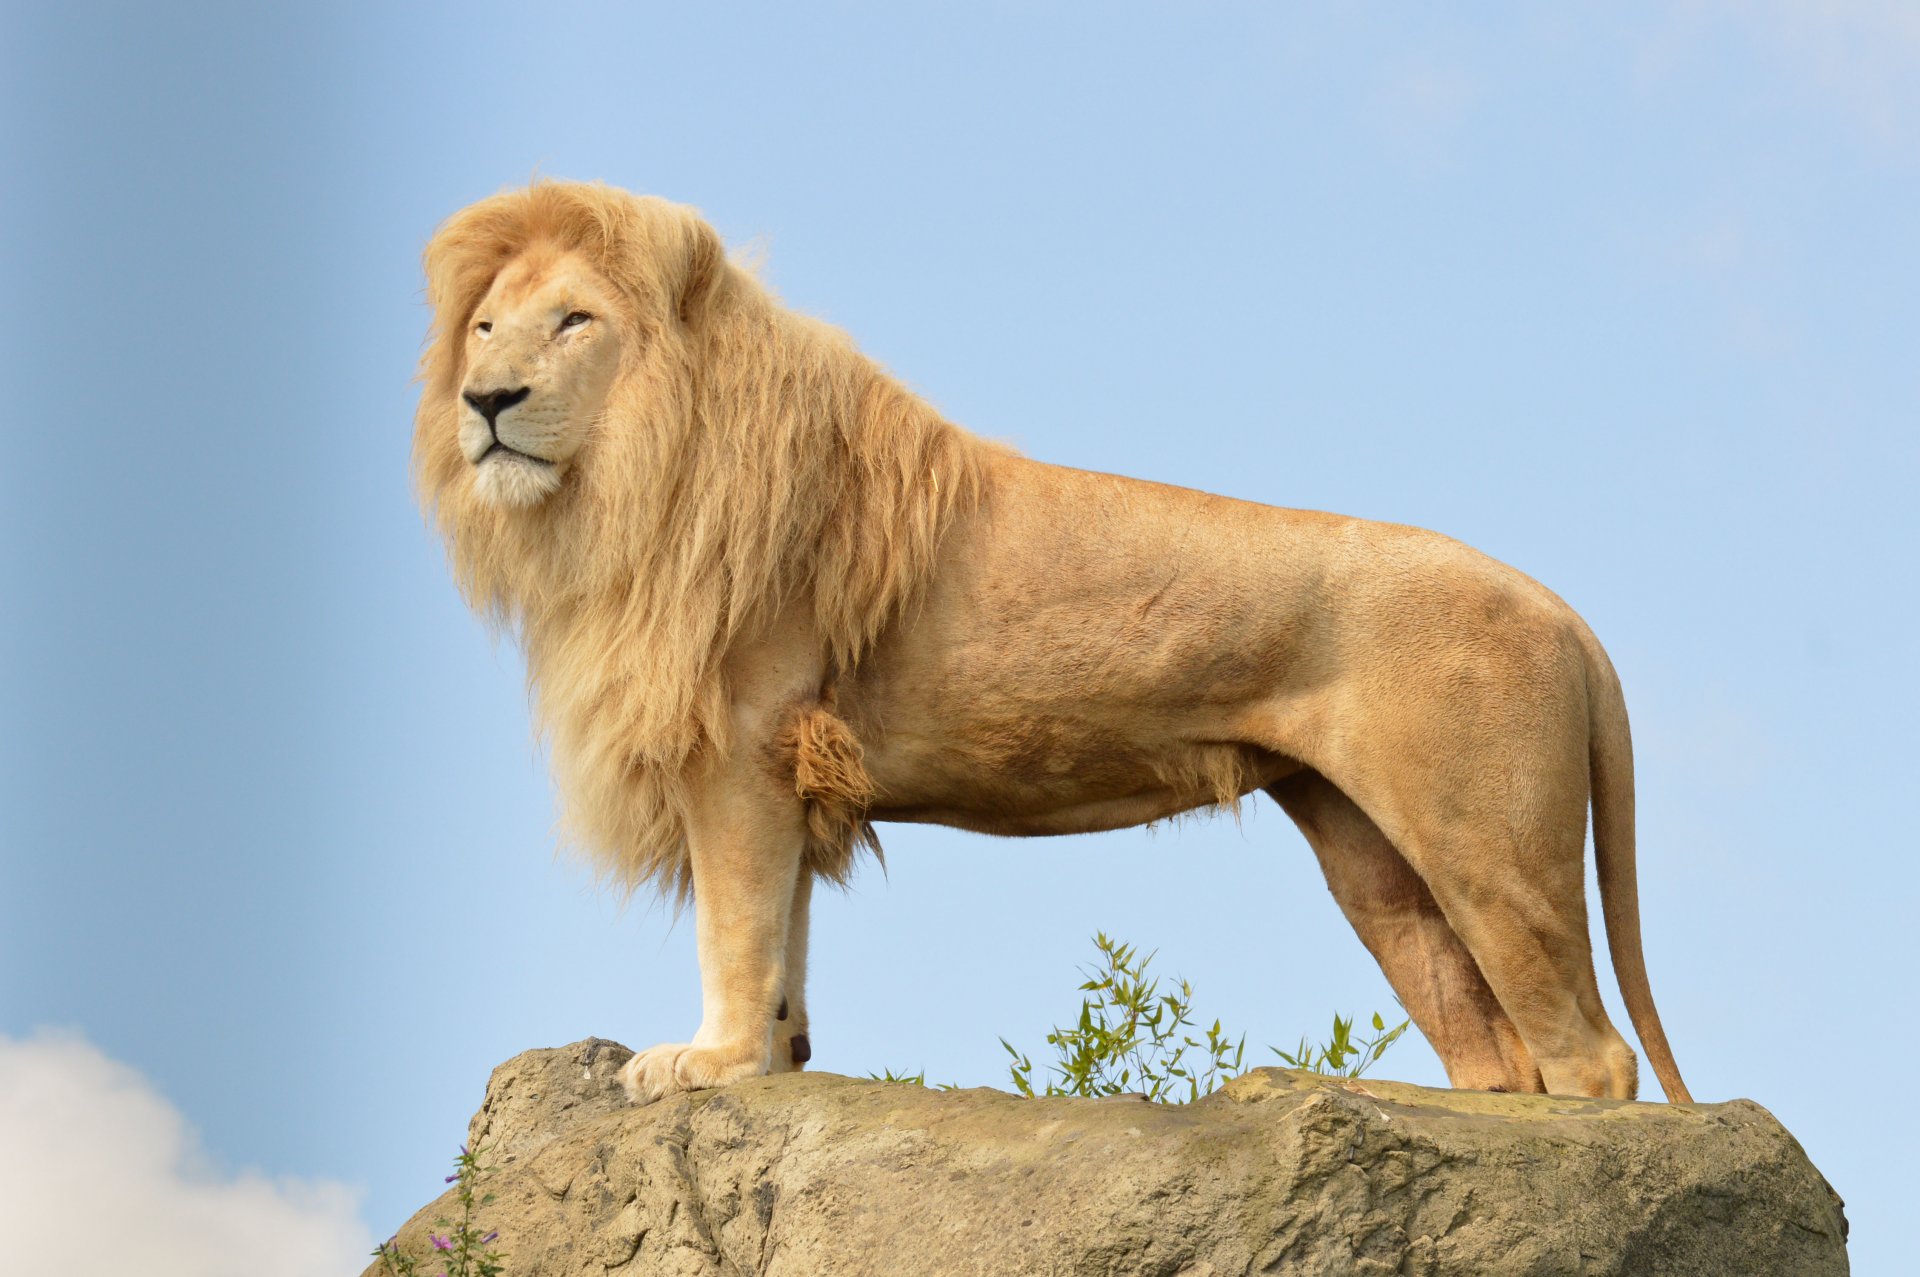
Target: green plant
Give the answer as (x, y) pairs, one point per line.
(468, 1252)
(913, 1079)
(1132, 1037)
(1340, 1055)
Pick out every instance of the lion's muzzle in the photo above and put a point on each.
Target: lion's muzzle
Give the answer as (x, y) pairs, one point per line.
(490, 404)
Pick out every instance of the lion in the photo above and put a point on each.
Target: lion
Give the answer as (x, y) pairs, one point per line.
(770, 598)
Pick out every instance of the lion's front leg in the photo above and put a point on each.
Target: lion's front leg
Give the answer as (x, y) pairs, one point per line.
(745, 838)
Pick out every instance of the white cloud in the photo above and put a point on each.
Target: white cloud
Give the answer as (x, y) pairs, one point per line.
(99, 1174)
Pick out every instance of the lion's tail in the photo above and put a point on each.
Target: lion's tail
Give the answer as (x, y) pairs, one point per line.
(1610, 761)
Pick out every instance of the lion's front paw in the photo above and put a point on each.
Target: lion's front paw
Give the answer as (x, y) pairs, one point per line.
(663, 1070)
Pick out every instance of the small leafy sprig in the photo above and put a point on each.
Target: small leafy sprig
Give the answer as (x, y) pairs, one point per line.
(913, 1079)
(1131, 1037)
(1341, 1056)
(469, 1253)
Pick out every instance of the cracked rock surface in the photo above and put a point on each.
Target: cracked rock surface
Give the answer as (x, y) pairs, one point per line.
(1277, 1173)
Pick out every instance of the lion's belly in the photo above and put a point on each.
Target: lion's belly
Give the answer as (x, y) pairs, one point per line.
(1084, 818)
(1037, 773)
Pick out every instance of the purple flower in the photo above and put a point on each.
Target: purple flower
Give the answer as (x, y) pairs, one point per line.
(440, 1243)
(490, 1238)
(449, 1179)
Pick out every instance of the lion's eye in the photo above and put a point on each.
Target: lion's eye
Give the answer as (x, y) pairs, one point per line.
(574, 319)
(484, 327)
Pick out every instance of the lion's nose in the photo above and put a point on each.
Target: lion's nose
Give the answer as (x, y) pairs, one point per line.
(491, 403)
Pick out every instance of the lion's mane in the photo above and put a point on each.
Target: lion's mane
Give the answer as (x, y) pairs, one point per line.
(749, 458)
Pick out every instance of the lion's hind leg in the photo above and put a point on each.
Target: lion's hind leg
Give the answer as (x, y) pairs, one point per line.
(830, 778)
(791, 1046)
(1501, 847)
(1398, 920)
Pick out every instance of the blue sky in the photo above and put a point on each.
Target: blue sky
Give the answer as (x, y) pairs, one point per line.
(1623, 295)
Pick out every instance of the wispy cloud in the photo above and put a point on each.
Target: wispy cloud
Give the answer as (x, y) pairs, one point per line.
(1860, 56)
(1865, 54)
(101, 1175)
(1719, 245)
(1420, 108)
(1727, 263)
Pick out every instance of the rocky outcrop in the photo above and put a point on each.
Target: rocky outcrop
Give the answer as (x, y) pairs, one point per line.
(1278, 1172)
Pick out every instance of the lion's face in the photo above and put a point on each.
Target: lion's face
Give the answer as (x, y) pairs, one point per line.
(542, 351)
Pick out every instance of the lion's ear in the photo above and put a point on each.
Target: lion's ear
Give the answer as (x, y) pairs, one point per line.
(706, 266)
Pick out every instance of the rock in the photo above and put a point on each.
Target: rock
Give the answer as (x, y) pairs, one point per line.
(1278, 1172)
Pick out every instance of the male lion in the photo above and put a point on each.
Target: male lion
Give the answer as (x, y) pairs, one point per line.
(768, 596)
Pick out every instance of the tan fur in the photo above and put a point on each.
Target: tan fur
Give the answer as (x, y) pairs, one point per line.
(756, 457)
(768, 597)
(830, 776)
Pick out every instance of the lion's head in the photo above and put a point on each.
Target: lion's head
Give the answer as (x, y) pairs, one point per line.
(548, 302)
(541, 354)
(635, 454)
